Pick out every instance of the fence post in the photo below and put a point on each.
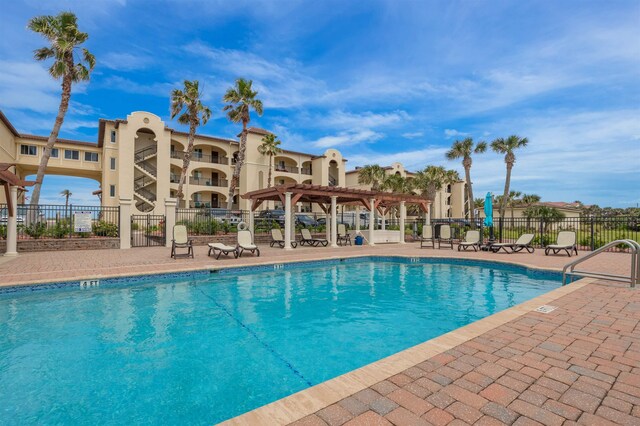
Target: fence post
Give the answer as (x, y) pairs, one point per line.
(541, 232)
(169, 218)
(593, 242)
(125, 223)
(69, 215)
(501, 227)
(12, 223)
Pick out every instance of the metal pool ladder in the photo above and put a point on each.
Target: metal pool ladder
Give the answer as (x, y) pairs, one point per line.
(569, 270)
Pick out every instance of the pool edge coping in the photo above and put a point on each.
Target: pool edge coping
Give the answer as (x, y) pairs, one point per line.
(308, 401)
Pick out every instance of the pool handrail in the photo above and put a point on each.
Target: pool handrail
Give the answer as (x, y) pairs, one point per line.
(633, 278)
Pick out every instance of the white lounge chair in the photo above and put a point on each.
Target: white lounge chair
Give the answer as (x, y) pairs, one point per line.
(343, 236)
(310, 240)
(222, 249)
(566, 241)
(445, 236)
(471, 239)
(427, 236)
(522, 243)
(277, 238)
(181, 240)
(245, 243)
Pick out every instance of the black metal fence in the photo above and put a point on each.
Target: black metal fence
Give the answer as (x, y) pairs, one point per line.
(148, 230)
(63, 221)
(210, 221)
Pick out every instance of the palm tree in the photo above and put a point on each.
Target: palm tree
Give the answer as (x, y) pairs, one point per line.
(397, 184)
(513, 200)
(240, 100)
(507, 147)
(66, 194)
(431, 180)
(528, 200)
(372, 174)
(463, 149)
(270, 147)
(64, 36)
(195, 114)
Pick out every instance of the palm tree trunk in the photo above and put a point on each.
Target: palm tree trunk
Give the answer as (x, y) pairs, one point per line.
(270, 168)
(186, 160)
(467, 173)
(53, 137)
(507, 183)
(239, 162)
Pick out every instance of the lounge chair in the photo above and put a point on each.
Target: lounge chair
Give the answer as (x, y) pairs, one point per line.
(566, 241)
(308, 239)
(445, 236)
(277, 238)
(343, 236)
(427, 236)
(222, 249)
(522, 243)
(471, 239)
(181, 240)
(245, 244)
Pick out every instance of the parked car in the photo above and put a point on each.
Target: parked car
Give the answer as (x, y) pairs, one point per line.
(272, 215)
(306, 221)
(4, 220)
(224, 215)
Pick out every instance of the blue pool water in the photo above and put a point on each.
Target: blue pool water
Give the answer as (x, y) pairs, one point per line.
(201, 349)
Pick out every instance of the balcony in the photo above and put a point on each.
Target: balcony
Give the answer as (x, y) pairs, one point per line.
(223, 183)
(286, 169)
(306, 171)
(202, 205)
(202, 158)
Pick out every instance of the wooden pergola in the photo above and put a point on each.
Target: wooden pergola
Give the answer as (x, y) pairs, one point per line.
(12, 184)
(328, 197)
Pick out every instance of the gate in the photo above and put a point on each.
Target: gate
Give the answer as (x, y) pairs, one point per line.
(147, 230)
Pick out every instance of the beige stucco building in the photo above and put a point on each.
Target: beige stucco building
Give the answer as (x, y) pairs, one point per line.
(140, 159)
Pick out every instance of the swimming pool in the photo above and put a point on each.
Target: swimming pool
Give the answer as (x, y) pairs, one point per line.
(202, 347)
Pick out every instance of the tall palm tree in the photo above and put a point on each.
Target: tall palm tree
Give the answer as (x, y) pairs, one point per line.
(397, 184)
(432, 179)
(240, 99)
(187, 104)
(64, 37)
(372, 174)
(507, 147)
(463, 149)
(270, 147)
(66, 194)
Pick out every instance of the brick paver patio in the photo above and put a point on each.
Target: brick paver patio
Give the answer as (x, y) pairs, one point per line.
(579, 364)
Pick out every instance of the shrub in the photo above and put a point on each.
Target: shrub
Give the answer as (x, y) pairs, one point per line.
(105, 229)
(36, 229)
(3, 231)
(543, 240)
(60, 230)
(135, 226)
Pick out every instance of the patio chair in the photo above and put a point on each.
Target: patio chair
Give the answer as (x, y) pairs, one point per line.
(566, 241)
(343, 236)
(471, 239)
(277, 238)
(222, 249)
(427, 236)
(245, 244)
(310, 240)
(522, 243)
(181, 240)
(445, 236)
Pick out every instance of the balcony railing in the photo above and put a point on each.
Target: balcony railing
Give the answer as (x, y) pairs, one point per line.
(203, 205)
(209, 182)
(305, 170)
(288, 169)
(202, 158)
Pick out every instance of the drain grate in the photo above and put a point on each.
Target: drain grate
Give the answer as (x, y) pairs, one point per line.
(545, 309)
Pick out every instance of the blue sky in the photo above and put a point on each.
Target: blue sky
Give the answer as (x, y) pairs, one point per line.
(382, 81)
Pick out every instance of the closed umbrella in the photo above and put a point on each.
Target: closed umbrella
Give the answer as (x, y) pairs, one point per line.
(488, 214)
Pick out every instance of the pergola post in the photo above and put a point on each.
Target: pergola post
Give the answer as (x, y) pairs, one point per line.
(427, 215)
(372, 219)
(383, 224)
(357, 221)
(327, 221)
(287, 220)
(403, 215)
(252, 225)
(12, 224)
(334, 221)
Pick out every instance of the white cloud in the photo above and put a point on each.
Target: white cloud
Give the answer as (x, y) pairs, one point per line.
(412, 135)
(122, 61)
(130, 86)
(28, 86)
(367, 119)
(347, 138)
(452, 133)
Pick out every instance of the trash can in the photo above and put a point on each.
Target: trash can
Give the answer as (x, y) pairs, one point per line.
(359, 240)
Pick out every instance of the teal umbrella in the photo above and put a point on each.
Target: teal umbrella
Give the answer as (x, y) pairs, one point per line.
(488, 210)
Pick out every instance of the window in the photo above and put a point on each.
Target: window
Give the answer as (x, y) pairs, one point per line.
(91, 156)
(112, 191)
(113, 136)
(113, 163)
(71, 154)
(55, 153)
(28, 150)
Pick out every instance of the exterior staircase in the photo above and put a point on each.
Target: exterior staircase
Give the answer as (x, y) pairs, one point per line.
(145, 197)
